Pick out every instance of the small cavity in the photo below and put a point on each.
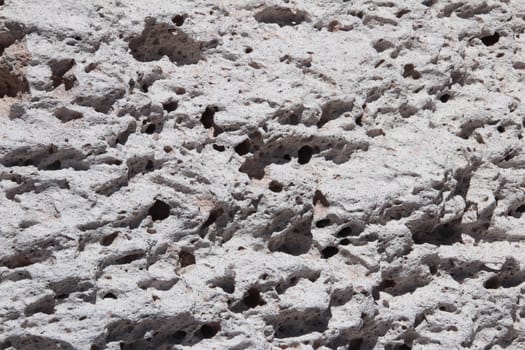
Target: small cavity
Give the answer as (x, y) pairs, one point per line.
(209, 330)
(159, 210)
(253, 298)
(186, 258)
(329, 251)
(170, 106)
(243, 147)
(107, 240)
(490, 40)
(178, 20)
(275, 186)
(304, 154)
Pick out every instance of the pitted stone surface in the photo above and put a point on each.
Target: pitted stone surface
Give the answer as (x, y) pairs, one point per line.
(262, 174)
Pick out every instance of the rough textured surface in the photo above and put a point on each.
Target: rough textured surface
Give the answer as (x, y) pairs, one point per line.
(262, 174)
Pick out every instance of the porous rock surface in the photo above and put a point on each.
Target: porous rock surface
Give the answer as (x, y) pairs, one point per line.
(250, 174)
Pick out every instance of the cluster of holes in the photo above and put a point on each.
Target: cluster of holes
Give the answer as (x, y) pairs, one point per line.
(410, 71)
(160, 39)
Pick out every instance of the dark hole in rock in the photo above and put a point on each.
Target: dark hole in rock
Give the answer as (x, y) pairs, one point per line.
(90, 67)
(359, 121)
(159, 39)
(217, 130)
(328, 252)
(444, 98)
(214, 214)
(490, 40)
(428, 3)
(151, 129)
(178, 20)
(218, 148)
(344, 241)
(406, 110)
(387, 283)
(275, 186)
(281, 16)
(287, 157)
(178, 336)
(109, 296)
(56, 165)
(521, 209)
(305, 154)
(170, 106)
(107, 240)
(127, 259)
(501, 129)
(227, 284)
(186, 258)
(69, 82)
(323, 223)
(209, 330)
(294, 119)
(402, 12)
(253, 298)
(301, 323)
(410, 71)
(492, 283)
(243, 147)
(248, 49)
(447, 308)
(149, 165)
(382, 45)
(207, 117)
(355, 344)
(320, 198)
(295, 242)
(167, 149)
(180, 90)
(159, 210)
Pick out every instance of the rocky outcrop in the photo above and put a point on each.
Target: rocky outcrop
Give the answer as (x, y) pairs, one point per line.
(262, 174)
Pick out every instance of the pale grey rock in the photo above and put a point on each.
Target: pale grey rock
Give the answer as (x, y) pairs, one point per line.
(262, 174)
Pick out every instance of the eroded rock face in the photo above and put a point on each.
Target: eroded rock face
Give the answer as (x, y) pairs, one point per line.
(262, 175)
